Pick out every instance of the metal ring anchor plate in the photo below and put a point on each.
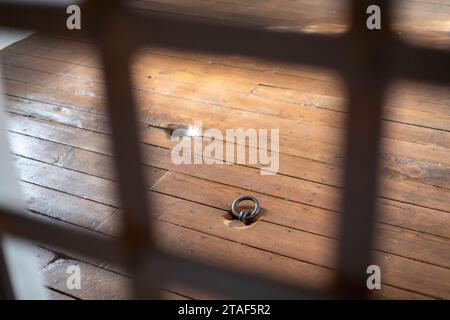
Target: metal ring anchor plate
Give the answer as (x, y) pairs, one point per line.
(245, 215)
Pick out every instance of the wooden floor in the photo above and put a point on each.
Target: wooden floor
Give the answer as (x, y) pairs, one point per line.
(60, 137)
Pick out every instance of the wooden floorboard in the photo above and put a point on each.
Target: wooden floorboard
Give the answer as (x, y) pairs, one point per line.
(100, 280)
(414, 217)
(244, 88)
(191, 242)
(427, 164)
(60, 137)
(181, 185)
(93, 88)
(293, 243)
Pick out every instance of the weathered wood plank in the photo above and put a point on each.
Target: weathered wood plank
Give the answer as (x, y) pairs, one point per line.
(393, 167)
(261, 92)
(96, 283)
(325, 140)
(187, 241)
(312, 249)
(399, 214)
(314, 220)
(74, 164)
(55, 295)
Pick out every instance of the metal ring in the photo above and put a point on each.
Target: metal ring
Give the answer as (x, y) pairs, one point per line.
(245, 217)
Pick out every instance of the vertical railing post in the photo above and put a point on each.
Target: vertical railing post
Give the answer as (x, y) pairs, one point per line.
(121, 107)
(6, 288)
(365, 76)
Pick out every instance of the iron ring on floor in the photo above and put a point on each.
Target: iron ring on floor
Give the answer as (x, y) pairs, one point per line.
(245, 215)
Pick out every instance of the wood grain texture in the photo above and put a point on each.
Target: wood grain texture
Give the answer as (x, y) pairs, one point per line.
(60, 136)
